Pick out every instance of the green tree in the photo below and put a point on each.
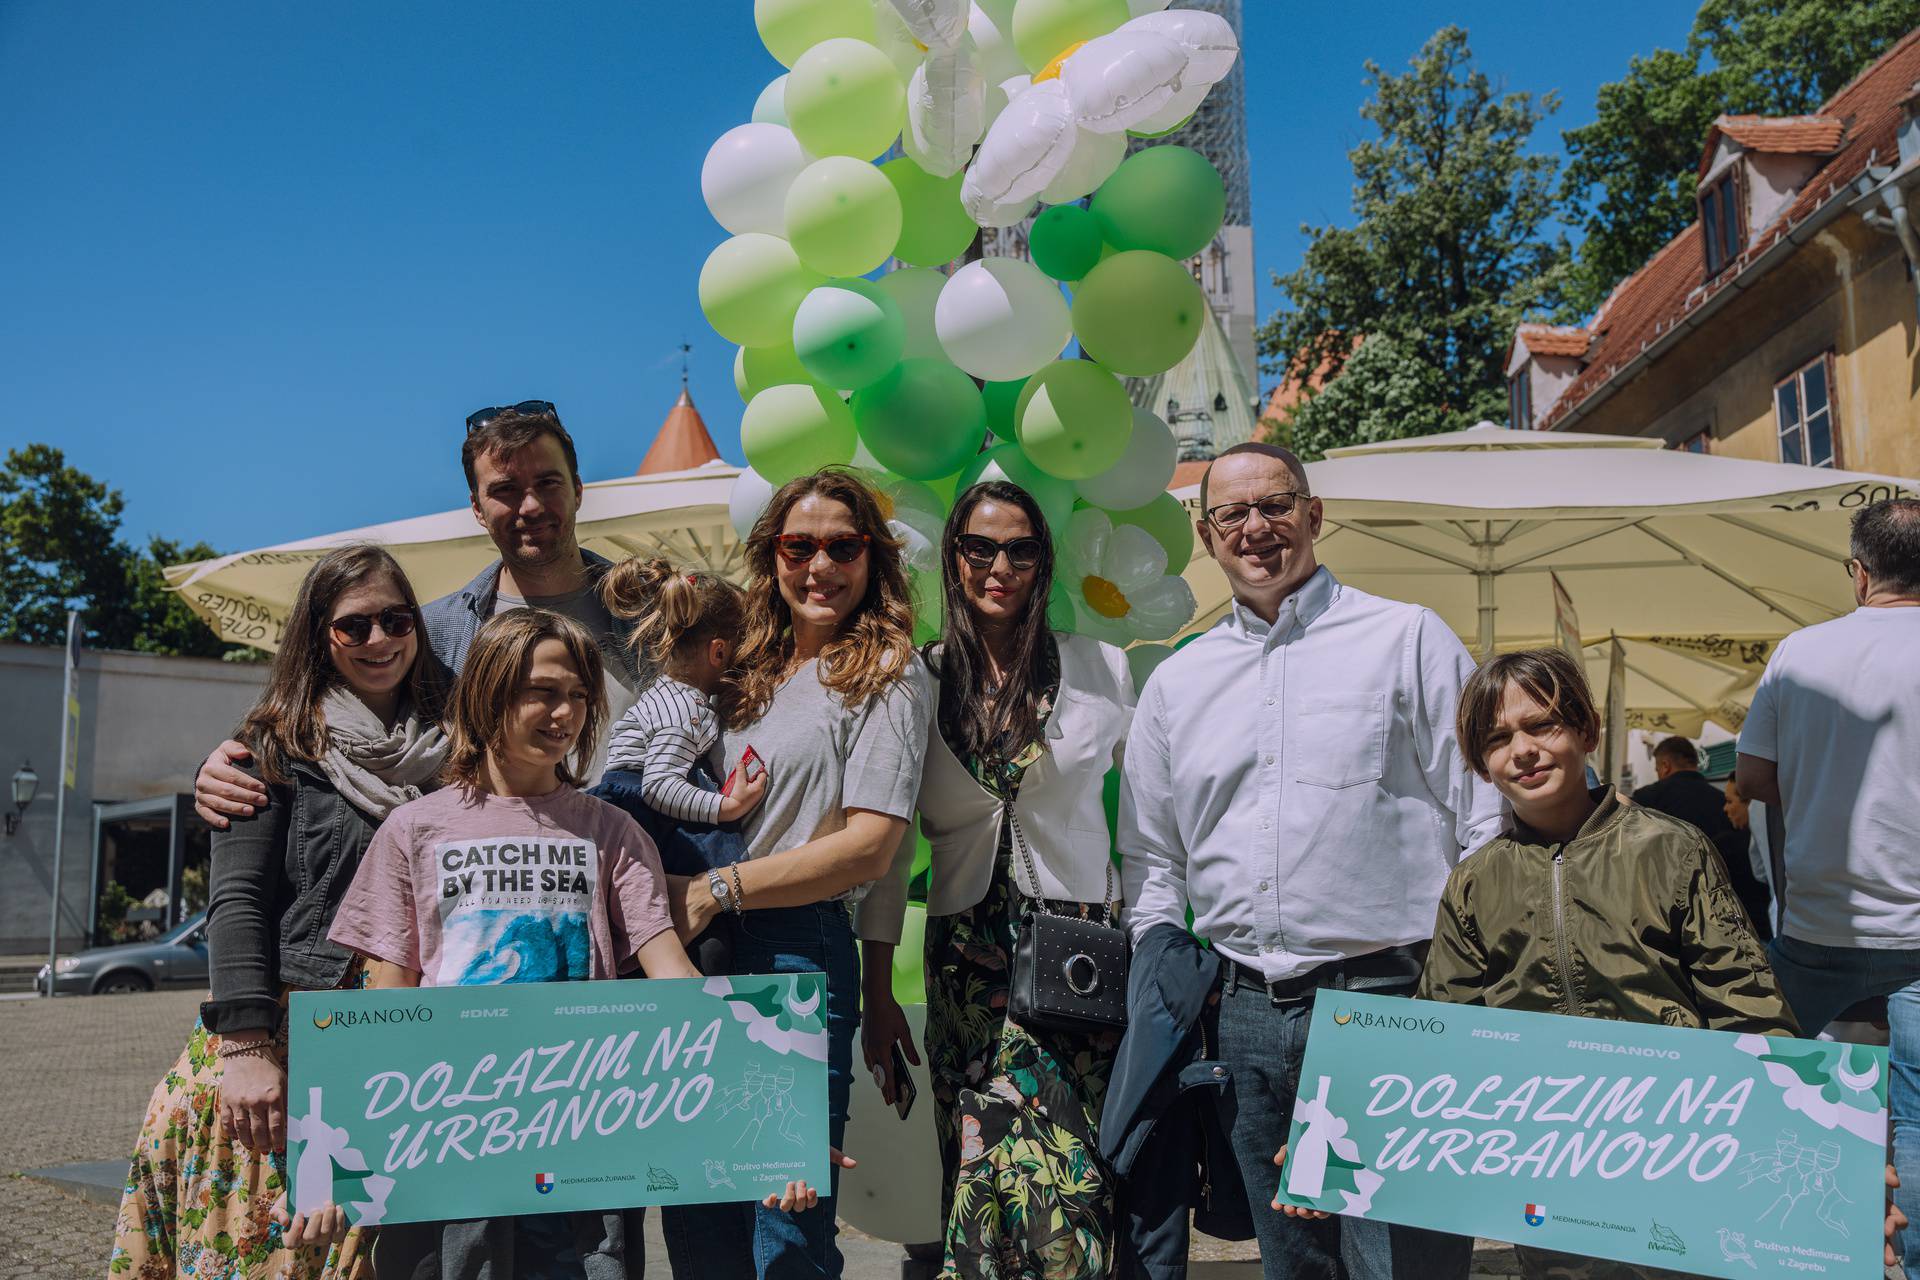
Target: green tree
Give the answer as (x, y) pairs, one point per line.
(60, 548)
(1385, 392)
(1630, 177)
(1447, 254)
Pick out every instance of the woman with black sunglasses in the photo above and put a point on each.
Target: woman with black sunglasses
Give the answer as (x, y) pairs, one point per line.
(1030, 720)
(346, 730)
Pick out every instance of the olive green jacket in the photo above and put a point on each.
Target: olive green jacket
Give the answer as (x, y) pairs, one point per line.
(1632, 919)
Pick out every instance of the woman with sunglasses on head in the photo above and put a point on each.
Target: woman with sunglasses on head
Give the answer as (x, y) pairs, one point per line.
(1029, 722)
(831, 700)
(346, 731)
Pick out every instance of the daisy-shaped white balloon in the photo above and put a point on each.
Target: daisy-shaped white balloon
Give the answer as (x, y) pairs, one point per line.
(1118, 581)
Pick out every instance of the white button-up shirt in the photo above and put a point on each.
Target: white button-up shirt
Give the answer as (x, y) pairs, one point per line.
(1300, 786)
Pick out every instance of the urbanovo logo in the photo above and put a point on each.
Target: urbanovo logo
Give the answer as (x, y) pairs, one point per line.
(365, 1017)
(1535, 1214)
(1388, 1021)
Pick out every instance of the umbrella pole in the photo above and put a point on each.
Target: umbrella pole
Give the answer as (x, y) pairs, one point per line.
(1483, 577)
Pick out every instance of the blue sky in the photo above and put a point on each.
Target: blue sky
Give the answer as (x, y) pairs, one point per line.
(259, 260)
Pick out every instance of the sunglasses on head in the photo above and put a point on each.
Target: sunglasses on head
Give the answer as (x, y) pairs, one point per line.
(530, 408)
(798, 548)
(1021, 553)
(354, 629)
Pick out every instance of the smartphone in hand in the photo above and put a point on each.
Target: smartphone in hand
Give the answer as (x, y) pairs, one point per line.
(750, 769)
(904, 1089)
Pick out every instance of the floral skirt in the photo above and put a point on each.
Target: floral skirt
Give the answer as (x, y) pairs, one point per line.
(1016, 1111)
(198, 1204)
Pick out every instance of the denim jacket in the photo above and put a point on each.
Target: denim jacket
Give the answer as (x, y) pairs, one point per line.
(278, 877)
(452, 621)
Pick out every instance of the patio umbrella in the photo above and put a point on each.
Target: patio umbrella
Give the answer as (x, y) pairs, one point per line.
(681, 515)
(1699, 561)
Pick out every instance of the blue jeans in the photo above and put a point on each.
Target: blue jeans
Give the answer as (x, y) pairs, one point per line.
(1261, 1043)
(1820, 983)
(711, 1242)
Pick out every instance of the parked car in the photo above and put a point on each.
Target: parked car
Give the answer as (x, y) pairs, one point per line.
(177, 958)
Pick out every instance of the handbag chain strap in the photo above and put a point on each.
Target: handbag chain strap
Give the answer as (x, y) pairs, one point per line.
(1026, 858)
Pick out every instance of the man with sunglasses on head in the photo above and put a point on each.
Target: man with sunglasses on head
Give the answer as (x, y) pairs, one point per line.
(1292, 777)
(523, 481)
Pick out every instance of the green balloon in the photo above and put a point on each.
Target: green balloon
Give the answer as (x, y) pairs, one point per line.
(1007, 462)
(909, 977)
(751, 286)
(795, 429)
(946, 487)
(1074, 419)
(1138, 313)
(757, 368)
(1171, 525)
(1169, 199)
(843, 217)
(848, 333)
(1003, 399)
(791, 27)
(934, 226)
(844, 98)
(1065, 242)
(923, 420)
(1044, 28)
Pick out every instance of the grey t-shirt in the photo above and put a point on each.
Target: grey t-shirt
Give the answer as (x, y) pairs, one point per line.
(622, 685)
(823, 758)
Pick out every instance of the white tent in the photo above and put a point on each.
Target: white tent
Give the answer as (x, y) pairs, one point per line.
(1698, 562)
(681, 515)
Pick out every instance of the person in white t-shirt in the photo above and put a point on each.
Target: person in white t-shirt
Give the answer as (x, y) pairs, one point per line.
(1833, 738)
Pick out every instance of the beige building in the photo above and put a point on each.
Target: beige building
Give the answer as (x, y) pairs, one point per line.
(1784, 324)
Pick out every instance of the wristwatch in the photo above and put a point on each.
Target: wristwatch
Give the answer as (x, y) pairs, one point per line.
(722, 891)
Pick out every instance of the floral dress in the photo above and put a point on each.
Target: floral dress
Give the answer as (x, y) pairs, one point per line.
(198, 1204)
(1016, 1111)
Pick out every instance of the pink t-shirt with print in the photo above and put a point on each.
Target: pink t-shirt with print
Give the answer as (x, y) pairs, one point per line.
(471, 889)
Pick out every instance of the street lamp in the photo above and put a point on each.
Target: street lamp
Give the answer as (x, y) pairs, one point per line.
(26, 784)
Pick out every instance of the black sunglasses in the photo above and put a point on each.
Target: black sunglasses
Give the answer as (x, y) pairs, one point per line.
(798, 548)
(531, 408)
(1273, 508)
(981, 552)
(354, 629)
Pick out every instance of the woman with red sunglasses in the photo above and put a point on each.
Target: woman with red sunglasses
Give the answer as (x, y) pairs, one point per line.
(346, 730)
(832, 701)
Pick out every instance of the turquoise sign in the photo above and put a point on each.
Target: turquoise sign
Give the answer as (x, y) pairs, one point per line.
(1701, 1151)
(421, 1105)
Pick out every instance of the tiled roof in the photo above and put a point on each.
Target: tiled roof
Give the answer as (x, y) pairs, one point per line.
(1791, 135)
(1673, 283)
(1553, 339)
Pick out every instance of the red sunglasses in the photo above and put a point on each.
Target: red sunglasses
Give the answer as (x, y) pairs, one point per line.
(798, 548)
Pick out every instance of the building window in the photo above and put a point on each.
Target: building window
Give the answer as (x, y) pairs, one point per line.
(1804, 410)
(1720, 221)
(1520, 400)
(1695, 443)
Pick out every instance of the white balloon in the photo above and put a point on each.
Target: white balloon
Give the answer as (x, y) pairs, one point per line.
(1000, 319)
(1026, 149)
(1144, 470)
(946, 109)
(917, 290)
(894, 1191)
(937, 24)
(771, 106)
(1207, 37)
(993, 43)
(1119, 79)
(750, 496)
(747, 174)
(1179, 107)
(1136, 8)
(891, 36)
(1095, 157)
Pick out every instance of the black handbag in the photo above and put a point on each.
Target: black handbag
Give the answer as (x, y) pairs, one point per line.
(1069, 972)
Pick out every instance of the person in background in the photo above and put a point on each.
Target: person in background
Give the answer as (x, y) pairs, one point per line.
(345, 731)
(1680, 790)
(523, 482)
(1029, 722)
(1752, 847)
(1831, 738)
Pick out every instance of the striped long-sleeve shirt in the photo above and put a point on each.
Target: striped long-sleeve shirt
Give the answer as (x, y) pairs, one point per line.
(669, 726)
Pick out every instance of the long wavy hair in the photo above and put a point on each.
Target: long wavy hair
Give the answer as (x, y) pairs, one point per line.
(1009, 717)
(874, 643)
(489, 685)
(286, 727)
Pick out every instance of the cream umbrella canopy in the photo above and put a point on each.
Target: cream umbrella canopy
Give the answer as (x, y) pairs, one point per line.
(1690, 556)
(681, 515)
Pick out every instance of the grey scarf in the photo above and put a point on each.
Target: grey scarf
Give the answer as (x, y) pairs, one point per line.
(375, 768)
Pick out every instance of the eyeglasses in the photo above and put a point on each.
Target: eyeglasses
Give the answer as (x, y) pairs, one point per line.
(1850, 564)
(1273, 508)
(531, 408)
(980, 552)
(798, 548)
(354, 629)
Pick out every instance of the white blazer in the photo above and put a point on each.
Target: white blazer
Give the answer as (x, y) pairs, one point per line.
(1059, 808)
